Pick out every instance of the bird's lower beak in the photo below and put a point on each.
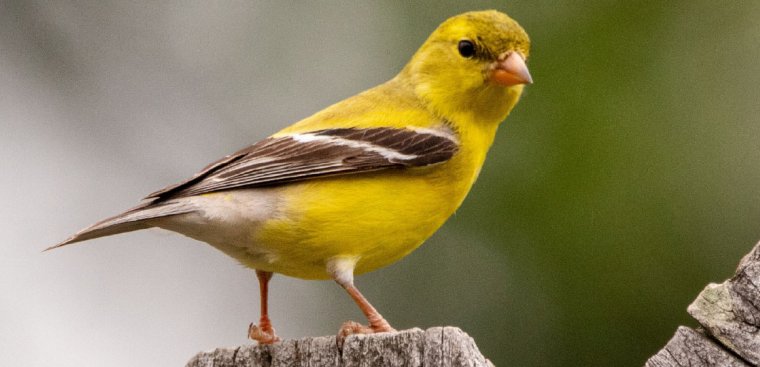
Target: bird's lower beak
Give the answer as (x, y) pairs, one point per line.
(510, 70)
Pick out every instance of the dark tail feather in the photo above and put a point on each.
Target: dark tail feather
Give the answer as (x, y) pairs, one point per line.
(131, 220)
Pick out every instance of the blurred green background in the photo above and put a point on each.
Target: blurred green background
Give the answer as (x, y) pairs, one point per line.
(623, 182)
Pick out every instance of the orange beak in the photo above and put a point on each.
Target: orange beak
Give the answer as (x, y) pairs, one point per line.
(510, 70)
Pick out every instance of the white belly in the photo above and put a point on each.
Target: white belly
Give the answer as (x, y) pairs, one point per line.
(228, 221)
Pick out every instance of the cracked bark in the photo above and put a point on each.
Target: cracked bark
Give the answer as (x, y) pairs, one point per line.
(438, 346)
(730, 317)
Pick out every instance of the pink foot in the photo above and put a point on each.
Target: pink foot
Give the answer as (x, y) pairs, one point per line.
(352, 327)
(264, 334)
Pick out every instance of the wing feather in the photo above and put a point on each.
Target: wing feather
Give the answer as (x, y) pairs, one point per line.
(302, 156)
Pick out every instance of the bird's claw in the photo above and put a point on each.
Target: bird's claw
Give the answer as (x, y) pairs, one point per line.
(264, 334)
(353, 327)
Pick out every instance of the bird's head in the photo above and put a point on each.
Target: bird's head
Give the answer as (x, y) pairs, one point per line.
(472, 67)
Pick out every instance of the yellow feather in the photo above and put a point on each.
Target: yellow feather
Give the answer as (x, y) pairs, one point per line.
(462, 83)
(381, 217)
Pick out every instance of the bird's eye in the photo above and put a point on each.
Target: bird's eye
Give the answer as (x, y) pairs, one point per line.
(466, 48)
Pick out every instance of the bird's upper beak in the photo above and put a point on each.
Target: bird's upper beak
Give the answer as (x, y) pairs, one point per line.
(510, 70)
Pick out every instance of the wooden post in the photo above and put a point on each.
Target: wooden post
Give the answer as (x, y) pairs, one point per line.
(730, 317)
(438, 346)
(729, 337)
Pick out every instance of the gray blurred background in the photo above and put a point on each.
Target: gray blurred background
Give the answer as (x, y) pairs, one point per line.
(625, 180)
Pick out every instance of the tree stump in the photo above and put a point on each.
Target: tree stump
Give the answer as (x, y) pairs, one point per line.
(437, 346)
(730, 317)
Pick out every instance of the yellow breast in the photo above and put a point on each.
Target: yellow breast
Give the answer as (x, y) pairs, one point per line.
(377, 217)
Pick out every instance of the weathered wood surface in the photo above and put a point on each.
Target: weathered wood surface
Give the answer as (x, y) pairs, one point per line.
(692, 348)
(438, 346)
(730, 315)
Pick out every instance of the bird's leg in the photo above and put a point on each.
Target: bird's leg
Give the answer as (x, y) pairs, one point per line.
(377, 323)
(263, 333)
(342, 270)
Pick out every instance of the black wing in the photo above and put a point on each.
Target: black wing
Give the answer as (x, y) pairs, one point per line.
(303, 156)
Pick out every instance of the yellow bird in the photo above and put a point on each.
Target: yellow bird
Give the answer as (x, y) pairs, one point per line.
(360, 184)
